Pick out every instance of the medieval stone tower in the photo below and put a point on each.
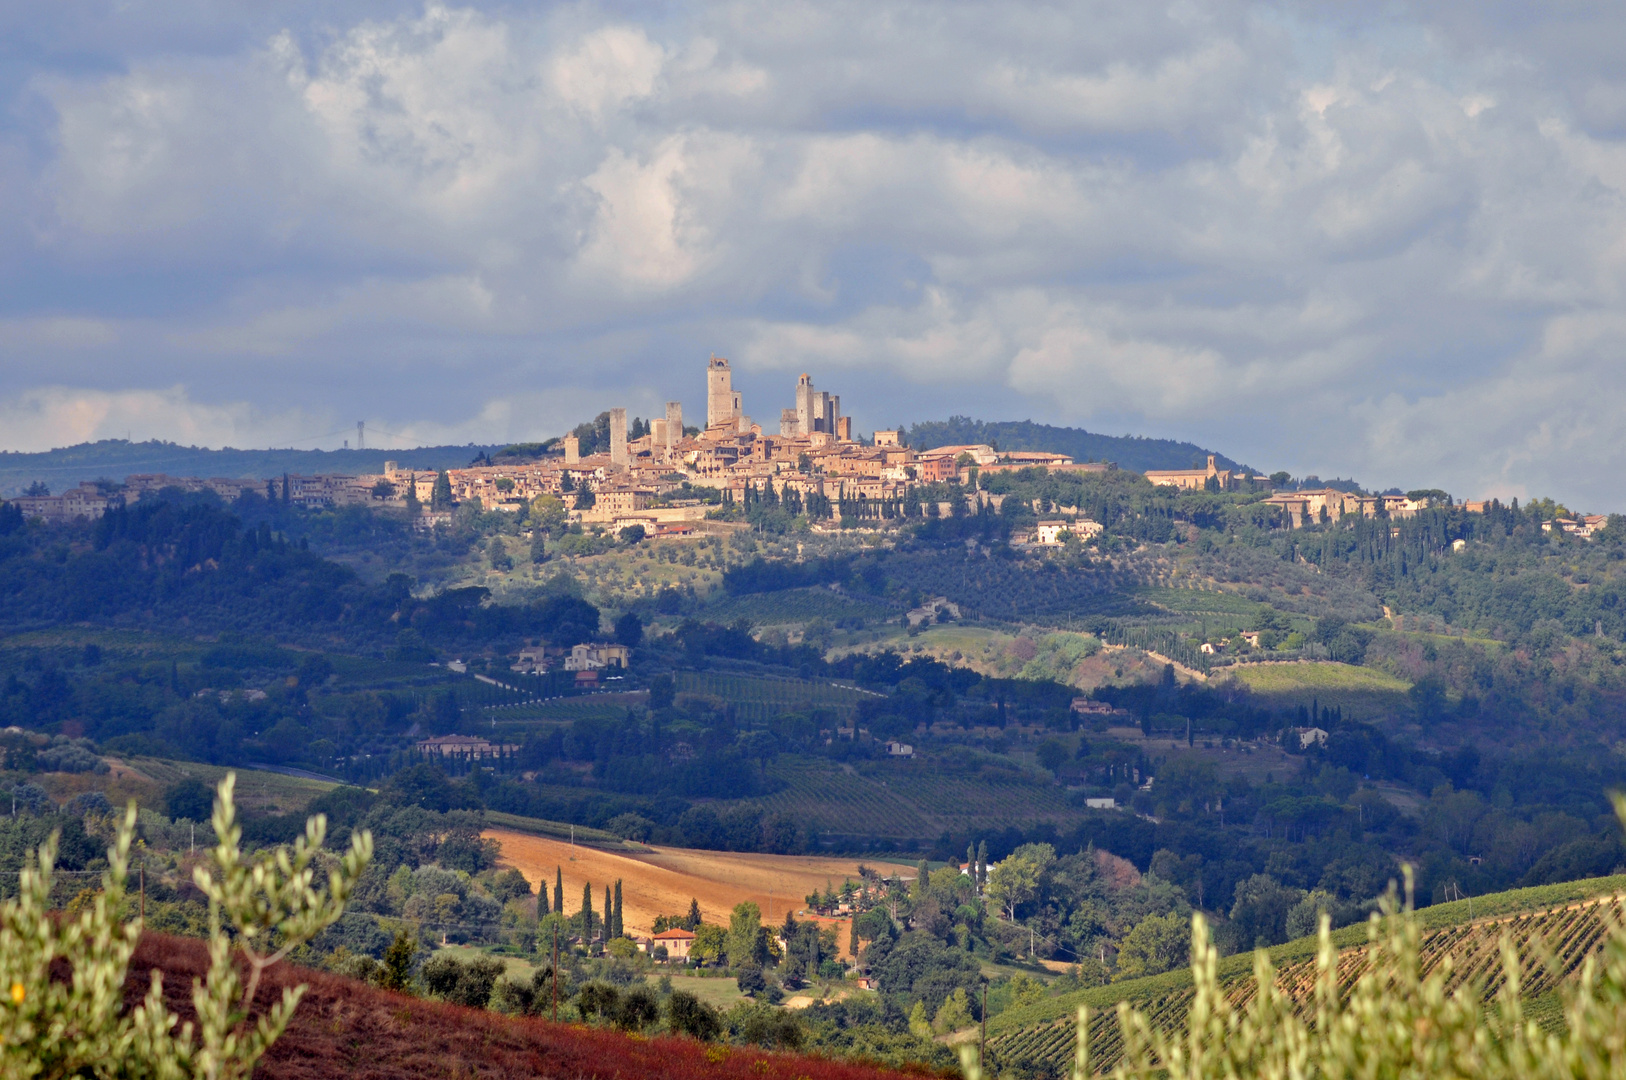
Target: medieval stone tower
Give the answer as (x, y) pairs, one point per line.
(722, 400)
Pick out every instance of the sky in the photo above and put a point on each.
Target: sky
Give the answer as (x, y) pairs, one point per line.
(1385, 241)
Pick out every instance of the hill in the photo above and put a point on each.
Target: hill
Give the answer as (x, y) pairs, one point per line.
(114, 459)
(1566, 923)
(347, 1028)
(1136, 452)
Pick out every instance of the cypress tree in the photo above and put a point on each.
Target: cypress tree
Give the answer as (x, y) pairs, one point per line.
(609, 913)
(694, 915)
(982, 865)
(615, 929)
(587, 913)
(559, 890)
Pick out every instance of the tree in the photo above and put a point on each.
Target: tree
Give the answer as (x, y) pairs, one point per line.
(615, 920)
(548, 514)
(744, 927)
(629, 630)
(188, 800)
(633, 534)
(396, 973)
(587, 913)
(1157, 944)
(710, 944)
(559, 890)
(383, 489)
(1015, 880)
(440, 497)
(38, 489)
(693, 922)
(607, 931)
(955, 1013)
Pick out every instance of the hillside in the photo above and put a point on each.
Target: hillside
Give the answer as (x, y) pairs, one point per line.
(348, 1028)
(114, 459)
(1567, 922)
(1137, 452)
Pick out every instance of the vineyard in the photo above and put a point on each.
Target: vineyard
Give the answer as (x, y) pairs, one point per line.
(1554, 934)
(564, 710)
(908, 801)
(760, 699)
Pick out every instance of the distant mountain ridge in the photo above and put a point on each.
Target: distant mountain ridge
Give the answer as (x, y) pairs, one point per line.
(114, 459)
(1135, 452)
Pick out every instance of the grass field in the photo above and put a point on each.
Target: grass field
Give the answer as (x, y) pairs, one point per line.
(144, 779)
(662, 881)
(909, 800)
(1567, 922)
(1359, 691)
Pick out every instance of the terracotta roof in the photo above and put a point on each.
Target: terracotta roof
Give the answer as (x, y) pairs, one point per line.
(674, 935)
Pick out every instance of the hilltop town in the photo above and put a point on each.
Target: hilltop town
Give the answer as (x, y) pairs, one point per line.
(669, 479)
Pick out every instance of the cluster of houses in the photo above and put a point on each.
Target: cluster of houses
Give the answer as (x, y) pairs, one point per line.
(650, 481)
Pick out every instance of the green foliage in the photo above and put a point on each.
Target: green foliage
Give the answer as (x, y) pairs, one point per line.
(1157, 944)
(1394, 1019)
(259, 910)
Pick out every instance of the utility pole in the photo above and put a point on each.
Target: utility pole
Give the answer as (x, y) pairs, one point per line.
(143, 894)
(556, 973)
(361, 434)
(982, 1037)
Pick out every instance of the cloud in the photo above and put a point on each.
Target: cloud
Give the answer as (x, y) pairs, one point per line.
(1390, 247)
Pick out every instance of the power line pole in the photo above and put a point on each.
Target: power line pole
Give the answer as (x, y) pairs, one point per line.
(361, 434)
(556, 973)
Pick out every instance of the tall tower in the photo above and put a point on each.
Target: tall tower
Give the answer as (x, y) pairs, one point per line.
(805, 415)
(619, 459)
(361, 434)
(722, 402)
(674, 424)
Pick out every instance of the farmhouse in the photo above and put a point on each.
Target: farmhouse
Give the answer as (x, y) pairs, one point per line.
(593, 657)
(467, 747)
(677, 942)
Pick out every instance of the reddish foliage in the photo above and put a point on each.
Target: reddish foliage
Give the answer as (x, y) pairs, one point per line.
(348, 1029)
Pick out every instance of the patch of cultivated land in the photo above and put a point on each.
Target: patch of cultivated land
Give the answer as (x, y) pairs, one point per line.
(662, 881)
(1258, 762)
(1360, 691)
(911, 800)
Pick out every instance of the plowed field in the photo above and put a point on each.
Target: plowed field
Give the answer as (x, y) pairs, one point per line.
(663, 880)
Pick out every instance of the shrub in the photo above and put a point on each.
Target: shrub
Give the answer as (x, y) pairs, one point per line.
(637, 1009)
(597, 999)
(70, 758)
(259, 910)
(688, 1015)
(461, 982)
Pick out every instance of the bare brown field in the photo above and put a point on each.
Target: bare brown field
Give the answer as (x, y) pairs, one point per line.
(663, 880)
